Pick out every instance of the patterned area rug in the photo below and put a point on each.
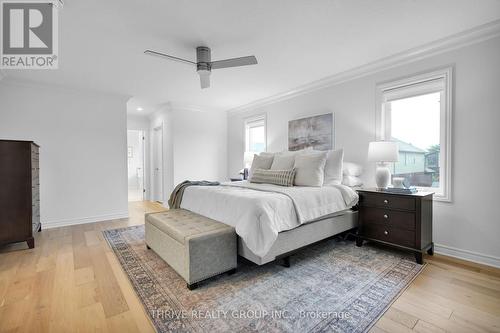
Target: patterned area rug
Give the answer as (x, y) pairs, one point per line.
(332, 286)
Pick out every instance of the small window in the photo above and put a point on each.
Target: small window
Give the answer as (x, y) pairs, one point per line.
(255, 134)
(416, 113)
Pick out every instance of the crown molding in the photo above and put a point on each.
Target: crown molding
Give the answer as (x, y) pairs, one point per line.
(169, 107)
(456, 41)
(190, 107)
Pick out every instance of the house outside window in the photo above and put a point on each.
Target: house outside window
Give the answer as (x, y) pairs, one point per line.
(416, 113)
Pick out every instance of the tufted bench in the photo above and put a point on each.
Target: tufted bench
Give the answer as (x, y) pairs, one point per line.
(195, 246)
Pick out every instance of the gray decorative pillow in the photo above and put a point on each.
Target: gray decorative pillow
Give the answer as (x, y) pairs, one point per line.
(276, 177)
(261, 162)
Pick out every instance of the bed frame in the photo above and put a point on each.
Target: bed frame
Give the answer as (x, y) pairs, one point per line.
(290, 241)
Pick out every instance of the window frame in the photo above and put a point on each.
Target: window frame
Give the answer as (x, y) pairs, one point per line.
(254, 121)
(415, 85)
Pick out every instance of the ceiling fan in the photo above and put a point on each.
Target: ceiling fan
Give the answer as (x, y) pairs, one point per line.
(204, 63)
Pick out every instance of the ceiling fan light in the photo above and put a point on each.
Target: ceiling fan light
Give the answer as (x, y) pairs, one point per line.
(204, 78)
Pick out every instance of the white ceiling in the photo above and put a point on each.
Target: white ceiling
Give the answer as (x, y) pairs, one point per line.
(102, 42)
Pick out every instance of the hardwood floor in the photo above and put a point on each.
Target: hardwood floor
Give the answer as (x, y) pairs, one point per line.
(72, 282)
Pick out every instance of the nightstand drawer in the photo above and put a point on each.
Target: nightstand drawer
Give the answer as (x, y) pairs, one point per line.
(387, 217)
(386, 201)
(389, 234)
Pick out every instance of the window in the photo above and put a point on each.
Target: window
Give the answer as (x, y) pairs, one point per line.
(255, 134)
(416, 113)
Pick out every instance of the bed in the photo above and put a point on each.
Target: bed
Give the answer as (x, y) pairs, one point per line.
(273, 221)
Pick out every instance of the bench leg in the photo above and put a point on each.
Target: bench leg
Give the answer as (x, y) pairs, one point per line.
(147, 247)
(192, 286)
(231, 272)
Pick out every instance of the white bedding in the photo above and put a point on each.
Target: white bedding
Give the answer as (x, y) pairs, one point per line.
(258, 212)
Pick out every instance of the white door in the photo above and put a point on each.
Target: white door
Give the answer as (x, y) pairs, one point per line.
(158, 164)
(135, 158)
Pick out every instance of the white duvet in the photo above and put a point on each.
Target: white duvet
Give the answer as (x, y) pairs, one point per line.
(258, 212)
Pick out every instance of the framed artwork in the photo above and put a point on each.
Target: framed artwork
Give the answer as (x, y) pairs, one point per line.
(316, 132)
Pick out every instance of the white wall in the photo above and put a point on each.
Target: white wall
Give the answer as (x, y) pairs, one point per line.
(200, 145)
(83, 155)
(194, 145)
(469, 226)
(135, 122)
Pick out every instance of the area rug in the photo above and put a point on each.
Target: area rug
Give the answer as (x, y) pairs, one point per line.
(332, 286)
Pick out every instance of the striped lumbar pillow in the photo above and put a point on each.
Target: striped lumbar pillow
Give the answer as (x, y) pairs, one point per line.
(277, 177)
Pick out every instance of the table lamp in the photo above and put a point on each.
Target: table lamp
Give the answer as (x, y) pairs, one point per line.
(383, 152)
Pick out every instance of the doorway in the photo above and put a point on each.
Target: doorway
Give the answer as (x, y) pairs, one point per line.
(158, 164)
(135, 158)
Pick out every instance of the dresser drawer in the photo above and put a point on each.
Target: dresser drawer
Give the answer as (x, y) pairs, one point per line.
(386, 201)
(387, 217)
(389, 234)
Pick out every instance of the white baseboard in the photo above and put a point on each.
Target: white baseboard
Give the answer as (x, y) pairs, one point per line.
(83, 220)
(479, 258)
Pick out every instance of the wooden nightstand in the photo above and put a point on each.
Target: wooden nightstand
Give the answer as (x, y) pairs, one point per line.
(400, 220)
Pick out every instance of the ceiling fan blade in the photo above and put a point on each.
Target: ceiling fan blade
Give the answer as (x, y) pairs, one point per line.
(163, 55)
(204, 79)
(234, 62)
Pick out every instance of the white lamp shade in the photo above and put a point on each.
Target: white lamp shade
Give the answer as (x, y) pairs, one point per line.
(383, 151)
(247, 159)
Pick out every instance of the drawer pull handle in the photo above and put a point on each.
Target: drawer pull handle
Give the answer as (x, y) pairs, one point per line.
(386, 232)
(385, 216)
(386, 201)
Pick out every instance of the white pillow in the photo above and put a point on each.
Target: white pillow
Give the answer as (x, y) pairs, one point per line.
(352, 181)
(333, 167)
(352, 169)
(283, 162)
(262, 161)
(310, 169)
(267, 154)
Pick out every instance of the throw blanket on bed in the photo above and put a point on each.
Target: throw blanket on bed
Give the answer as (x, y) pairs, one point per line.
(176, 196)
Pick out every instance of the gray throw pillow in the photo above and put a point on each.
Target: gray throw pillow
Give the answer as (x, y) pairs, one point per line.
(261, 162)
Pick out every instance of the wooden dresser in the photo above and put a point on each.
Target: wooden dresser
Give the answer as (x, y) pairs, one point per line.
(19, 191)
(400, 220)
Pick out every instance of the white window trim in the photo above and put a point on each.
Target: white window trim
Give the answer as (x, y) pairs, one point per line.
(247, 122)
(382, 120)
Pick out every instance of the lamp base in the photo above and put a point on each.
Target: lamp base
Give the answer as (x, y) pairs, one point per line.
(383, 176)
